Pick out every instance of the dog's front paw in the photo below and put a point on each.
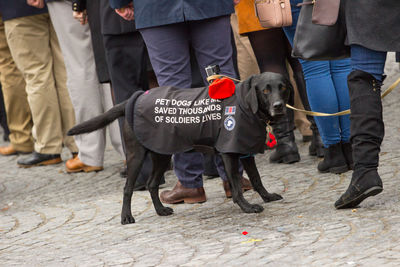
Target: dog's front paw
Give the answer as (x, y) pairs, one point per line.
(127, 219)
(271, 197)
(164, 211)
(255, 208)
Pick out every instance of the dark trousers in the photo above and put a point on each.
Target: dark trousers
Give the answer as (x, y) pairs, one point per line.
(126, 58)
(168, 48)
(3, 116)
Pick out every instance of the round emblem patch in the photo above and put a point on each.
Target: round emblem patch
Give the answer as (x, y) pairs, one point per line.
(229, 123)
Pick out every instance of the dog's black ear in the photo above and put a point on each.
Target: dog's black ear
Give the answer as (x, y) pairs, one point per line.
(252, 99)
(288, 92)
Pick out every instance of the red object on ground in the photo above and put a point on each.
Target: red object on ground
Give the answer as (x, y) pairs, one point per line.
(244, 233)
(221, 88)
(271, 142)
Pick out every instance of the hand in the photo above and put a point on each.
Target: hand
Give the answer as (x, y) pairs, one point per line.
(80, 16)
(36, 3)
(126, 12)
(235, 2)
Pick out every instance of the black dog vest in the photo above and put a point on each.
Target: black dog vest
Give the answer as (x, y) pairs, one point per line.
(168, 120)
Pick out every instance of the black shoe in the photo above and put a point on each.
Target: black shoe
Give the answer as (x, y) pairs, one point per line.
(286, 152)
(286, 149)
(307, 138)
(334, 160)
(348, 154)
(368, 185)
(6, 138)
(316, 147)
(123, 172)
(38, 159)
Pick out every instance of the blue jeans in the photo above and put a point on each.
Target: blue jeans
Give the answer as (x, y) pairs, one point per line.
(327, 90)
(370, 61)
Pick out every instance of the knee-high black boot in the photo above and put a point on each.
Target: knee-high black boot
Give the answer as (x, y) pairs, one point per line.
(316, 147)
(367, 131)
(286, 151)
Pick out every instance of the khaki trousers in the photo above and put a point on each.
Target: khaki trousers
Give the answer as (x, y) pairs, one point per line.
(36, 52)
(19, 118)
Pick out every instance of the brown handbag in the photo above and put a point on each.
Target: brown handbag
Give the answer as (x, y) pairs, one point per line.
(273, 13)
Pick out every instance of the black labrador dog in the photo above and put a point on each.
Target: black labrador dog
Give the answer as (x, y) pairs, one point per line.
(235, 130)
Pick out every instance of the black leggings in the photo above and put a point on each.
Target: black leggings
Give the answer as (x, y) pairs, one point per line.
(272, 49)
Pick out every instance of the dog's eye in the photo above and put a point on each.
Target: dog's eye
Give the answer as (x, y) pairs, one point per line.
(266, 91)
(283, 88)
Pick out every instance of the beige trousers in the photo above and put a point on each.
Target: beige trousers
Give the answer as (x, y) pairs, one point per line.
(19, 118)
(36, 52)
(89, 97)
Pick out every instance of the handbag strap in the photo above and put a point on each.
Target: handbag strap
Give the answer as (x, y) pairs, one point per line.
(306, 3)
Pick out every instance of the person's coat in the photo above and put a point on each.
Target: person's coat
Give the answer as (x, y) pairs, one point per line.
(247, 19)
(111, 23)
(11, 9)
(152, 13)
(374, 24)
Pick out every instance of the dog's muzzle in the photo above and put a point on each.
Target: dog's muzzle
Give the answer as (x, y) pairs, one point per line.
(277, 108)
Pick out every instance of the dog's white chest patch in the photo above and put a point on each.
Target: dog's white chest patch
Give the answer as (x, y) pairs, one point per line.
(229, 123)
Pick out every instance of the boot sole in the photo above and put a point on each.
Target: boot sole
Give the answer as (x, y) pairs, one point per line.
(373, 191)
(84, 169)
(186, 201)
(318, 153)
(336, 170)
(288, 159)
(43, 163)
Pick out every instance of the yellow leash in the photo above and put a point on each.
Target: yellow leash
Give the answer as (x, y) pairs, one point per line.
(313, 113)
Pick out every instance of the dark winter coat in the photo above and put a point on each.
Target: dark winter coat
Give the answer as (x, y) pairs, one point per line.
(11, 9)
(152, 13)
(374, 24)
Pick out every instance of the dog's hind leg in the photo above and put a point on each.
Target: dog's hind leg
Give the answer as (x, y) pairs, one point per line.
(135, 155)
(250, 167)
(231, 163)
(160, 165)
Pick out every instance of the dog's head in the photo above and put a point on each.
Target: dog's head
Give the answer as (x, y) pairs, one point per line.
(268, 92)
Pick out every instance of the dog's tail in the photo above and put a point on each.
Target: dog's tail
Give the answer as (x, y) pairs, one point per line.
(99, 121)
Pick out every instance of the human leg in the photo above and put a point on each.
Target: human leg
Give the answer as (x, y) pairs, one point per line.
(168, 48)
(316, 147)
(28, 39)
(366, 125)
(125, 54)
(19, 118)
(3, 118)
(215, 51)
(270, 50)
(76, 46)
(318, 75)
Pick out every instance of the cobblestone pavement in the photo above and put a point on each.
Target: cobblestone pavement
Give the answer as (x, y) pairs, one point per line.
(50, 218)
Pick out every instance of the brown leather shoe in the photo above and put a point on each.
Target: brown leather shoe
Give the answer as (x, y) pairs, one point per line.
(246, 185)
(76, 165)
(182, 194)
(8, 150)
